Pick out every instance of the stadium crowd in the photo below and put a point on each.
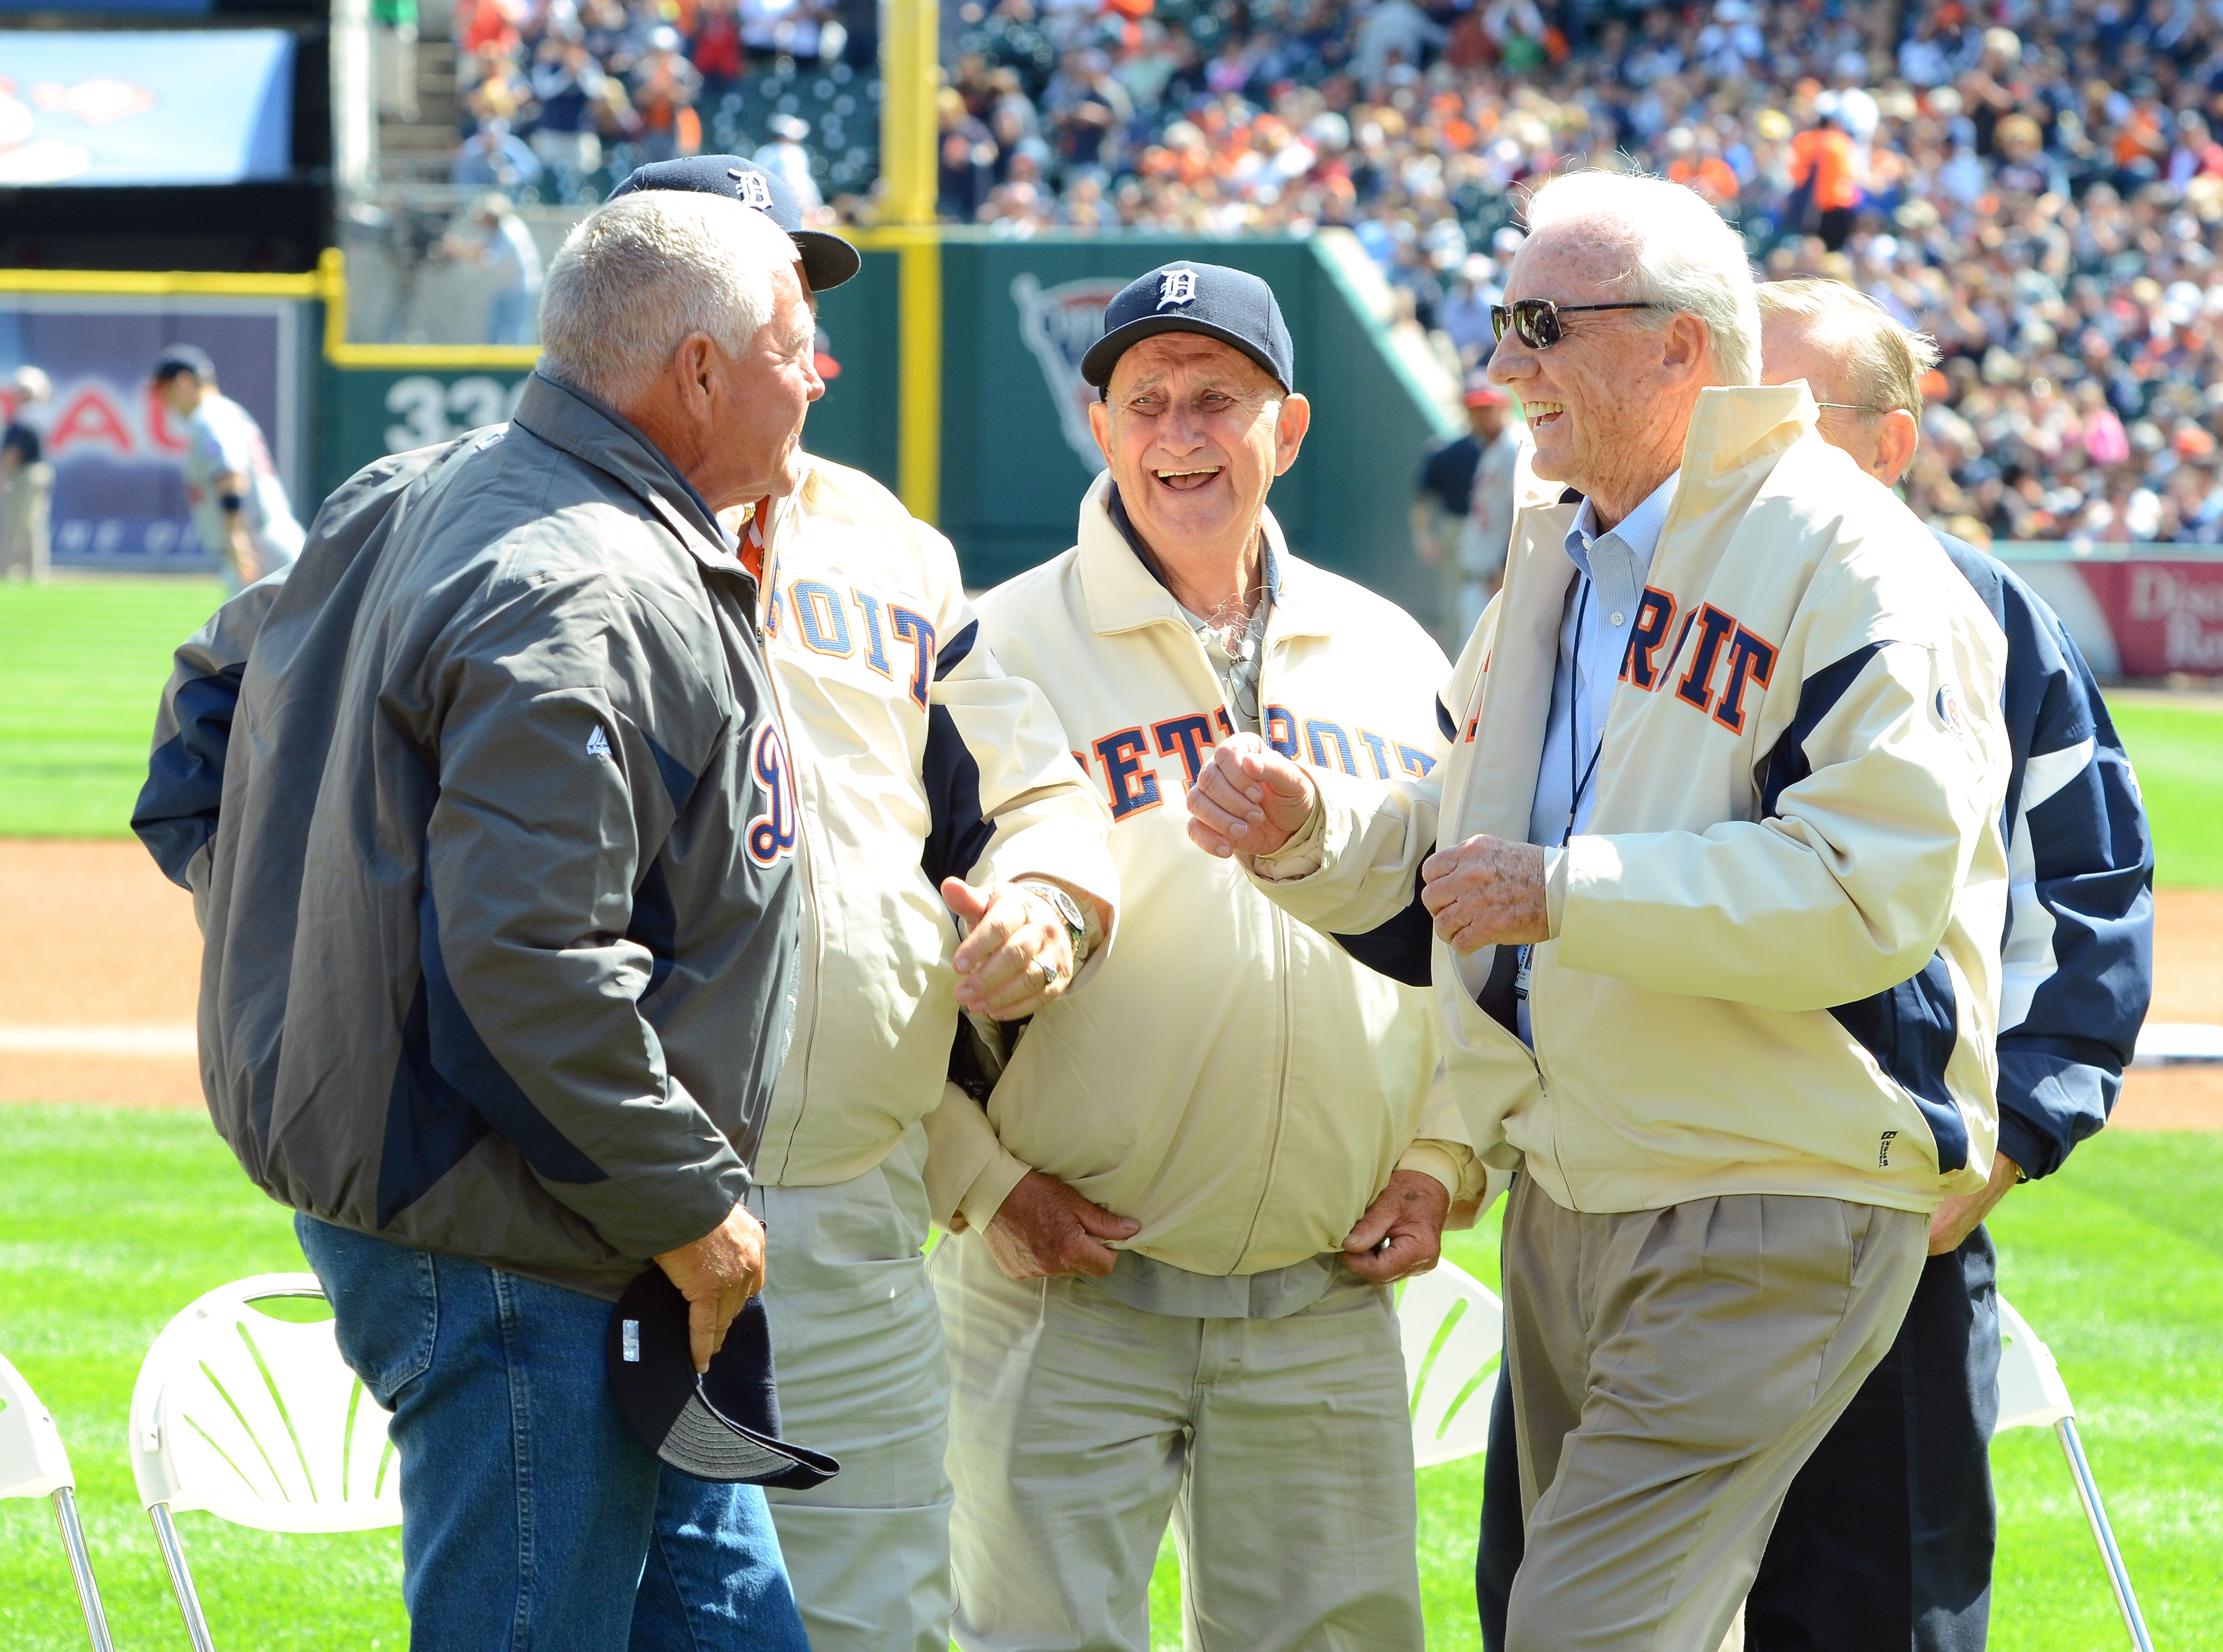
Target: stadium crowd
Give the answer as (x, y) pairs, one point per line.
(2036, 186)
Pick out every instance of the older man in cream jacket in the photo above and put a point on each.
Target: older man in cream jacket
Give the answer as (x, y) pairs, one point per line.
(1256, 1104)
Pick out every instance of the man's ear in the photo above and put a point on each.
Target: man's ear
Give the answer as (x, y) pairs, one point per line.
(1290, 433)
(695, 367)
(1684, 345)
(1897, 435)
(1099, 424)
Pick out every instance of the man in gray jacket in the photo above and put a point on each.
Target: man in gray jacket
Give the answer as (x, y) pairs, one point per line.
(501, 924)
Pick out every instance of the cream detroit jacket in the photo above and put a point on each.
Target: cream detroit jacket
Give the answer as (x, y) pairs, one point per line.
(1775, 962)
(917, 757)
(1231, 1079)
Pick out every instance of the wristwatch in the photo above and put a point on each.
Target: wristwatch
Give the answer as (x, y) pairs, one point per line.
(1068, 913)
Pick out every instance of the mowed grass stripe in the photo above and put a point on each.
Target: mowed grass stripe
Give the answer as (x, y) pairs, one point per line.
(111, 1221)
(82, 664)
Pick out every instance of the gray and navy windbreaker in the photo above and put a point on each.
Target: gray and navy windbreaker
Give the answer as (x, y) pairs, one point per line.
(486, 814)
(2076, 971)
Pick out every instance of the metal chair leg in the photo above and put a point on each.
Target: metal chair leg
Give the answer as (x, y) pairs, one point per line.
(80, 1565)
(181, 1580)
(2095, 1513)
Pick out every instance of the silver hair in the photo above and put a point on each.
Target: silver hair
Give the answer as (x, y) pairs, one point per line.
(1680, 254)
(638, 275)
(1887, 360)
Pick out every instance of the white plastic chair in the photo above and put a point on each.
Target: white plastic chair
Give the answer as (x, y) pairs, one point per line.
(34, 1464)
(259, 1421)
(1454, 1332)
(2033, 1395)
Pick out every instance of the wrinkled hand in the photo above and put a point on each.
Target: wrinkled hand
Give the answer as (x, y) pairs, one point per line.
(1409, 1213)
(1249, 798)
(1486, 891)
(1012, 932)
(717, 1274)
(1044, 1230)
(1954, 1220)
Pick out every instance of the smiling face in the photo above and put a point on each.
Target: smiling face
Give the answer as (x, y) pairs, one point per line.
(1195, 431)
(1608, 404)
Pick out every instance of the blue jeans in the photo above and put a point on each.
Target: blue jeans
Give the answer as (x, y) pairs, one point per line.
(531, 1517)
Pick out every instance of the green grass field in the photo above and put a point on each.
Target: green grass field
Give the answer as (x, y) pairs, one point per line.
(81, 666)
(111, 1221)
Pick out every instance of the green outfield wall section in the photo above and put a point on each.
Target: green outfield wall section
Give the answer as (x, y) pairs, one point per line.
(1018, 316)
(1015, 455)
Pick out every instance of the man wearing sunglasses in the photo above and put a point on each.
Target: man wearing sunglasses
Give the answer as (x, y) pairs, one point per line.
(1715, 879)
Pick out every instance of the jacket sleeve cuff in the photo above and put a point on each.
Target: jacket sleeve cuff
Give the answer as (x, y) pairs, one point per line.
(2031, 1149)
(1555, 889)
(1454, 1164)
(1301, 857)
(991, 1188)
(968, 1172)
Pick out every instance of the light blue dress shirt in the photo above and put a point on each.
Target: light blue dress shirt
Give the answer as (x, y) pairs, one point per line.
(1609, 574)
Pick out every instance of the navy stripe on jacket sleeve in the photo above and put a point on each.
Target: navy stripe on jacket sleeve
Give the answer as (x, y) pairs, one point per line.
(951, 654)
(1912, 1028)
(176, 812)
(2082, 913)
(957, 835)
(1403, 948)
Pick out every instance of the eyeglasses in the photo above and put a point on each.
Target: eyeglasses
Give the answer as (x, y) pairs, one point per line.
(1535, 321)
(1852, 407)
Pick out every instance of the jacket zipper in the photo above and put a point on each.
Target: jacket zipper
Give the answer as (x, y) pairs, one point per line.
(1279, 921)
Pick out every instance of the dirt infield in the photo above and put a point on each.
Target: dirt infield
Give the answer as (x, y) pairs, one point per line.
(102, 1007)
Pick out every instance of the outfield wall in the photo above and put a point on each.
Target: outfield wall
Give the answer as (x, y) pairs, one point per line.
(977, 415)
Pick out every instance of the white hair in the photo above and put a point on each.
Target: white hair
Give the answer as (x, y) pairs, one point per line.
(1680, 253)
(1887, 360)
(638, 275)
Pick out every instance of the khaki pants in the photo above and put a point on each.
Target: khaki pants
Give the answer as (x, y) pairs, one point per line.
(857, 1341)
(1671, 1370)
(1281, 1449)
(27, 523)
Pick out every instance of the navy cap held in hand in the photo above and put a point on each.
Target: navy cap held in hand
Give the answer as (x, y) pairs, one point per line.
(1233, 306)
(828, 260)
(723, 1426)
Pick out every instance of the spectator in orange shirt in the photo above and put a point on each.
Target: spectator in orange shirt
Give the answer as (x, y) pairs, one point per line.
(1822, 174)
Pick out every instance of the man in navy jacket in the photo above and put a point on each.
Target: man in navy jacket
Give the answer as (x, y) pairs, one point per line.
(1886, 1538)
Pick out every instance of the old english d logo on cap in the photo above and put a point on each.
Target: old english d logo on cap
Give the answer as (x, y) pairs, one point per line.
(749, 189)
(1176, 287)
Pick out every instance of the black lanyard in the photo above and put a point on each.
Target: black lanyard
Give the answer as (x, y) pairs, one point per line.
(1578, 783)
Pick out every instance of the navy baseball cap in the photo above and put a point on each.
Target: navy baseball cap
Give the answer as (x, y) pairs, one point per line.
(828, 260)
(182, 358)
(720, 1425)
(1233, 306)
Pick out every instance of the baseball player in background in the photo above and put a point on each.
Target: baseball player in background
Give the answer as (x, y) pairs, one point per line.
(238, 503)
(1253, 1103)
(929, 783)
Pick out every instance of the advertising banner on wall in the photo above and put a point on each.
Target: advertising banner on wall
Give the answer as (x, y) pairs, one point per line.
(2143, 612)
(119, 491)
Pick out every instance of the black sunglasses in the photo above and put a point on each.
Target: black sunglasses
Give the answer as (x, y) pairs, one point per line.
(1535, 321)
